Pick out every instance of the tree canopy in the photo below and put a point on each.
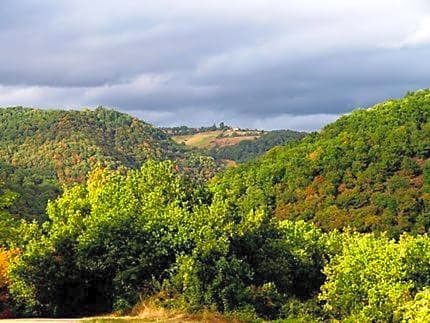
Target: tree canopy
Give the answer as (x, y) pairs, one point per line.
(41, 150)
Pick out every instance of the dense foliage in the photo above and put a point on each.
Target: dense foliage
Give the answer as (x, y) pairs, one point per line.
(369, 170)
(128, 234)
(248, 149)
(40, 150)
(373, 277)
(6, 256)
(115, 238)
(104, 242)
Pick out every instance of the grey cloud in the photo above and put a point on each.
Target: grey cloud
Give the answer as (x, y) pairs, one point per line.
(256, 63)
(54, 49)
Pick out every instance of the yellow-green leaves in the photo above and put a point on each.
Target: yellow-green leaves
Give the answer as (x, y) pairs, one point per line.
(373, 276)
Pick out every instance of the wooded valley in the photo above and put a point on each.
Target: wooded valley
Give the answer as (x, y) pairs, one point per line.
(100, 211)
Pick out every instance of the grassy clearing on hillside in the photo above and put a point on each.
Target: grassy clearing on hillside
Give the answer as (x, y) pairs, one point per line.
(216, 138)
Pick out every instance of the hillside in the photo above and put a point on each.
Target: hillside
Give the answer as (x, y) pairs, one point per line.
(369, 170)
(40, 150)
(213, 139)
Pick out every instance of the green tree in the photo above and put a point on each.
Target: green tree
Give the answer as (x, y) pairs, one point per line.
(8, 224)
(373, 277)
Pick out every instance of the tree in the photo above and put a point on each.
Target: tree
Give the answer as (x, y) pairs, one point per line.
(6, 257)
(7, 223)
(373, 276)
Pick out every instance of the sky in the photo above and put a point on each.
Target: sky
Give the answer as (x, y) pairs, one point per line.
(267, 64)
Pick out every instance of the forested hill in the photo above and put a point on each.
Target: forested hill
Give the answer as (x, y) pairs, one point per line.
(43, 149)
(369, 170)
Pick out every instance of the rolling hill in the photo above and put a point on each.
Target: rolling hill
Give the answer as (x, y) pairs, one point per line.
(369, 170)
(40, 150)
(209, 138)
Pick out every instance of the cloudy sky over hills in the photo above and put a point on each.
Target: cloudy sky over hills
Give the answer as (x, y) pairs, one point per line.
(268, 64)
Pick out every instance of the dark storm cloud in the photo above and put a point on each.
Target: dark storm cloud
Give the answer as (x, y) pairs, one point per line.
(271, 64)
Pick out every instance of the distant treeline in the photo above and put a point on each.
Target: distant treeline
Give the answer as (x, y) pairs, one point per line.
(184, 130)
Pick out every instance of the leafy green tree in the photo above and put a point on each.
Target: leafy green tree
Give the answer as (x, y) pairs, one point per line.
(7, 223)
(250, 261)
(373, 277)
(418, 309)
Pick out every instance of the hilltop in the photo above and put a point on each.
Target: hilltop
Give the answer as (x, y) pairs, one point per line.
(212, 137)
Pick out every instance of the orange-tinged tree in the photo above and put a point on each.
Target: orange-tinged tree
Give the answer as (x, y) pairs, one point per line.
(5, 259)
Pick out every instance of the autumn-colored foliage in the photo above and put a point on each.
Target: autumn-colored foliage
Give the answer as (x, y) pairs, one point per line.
(369, 170)
(5, 258)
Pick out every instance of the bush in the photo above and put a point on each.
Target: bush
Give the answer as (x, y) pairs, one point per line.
(256, 262)
(296, 310)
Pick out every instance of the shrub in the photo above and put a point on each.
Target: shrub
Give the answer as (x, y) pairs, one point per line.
(260, 265)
